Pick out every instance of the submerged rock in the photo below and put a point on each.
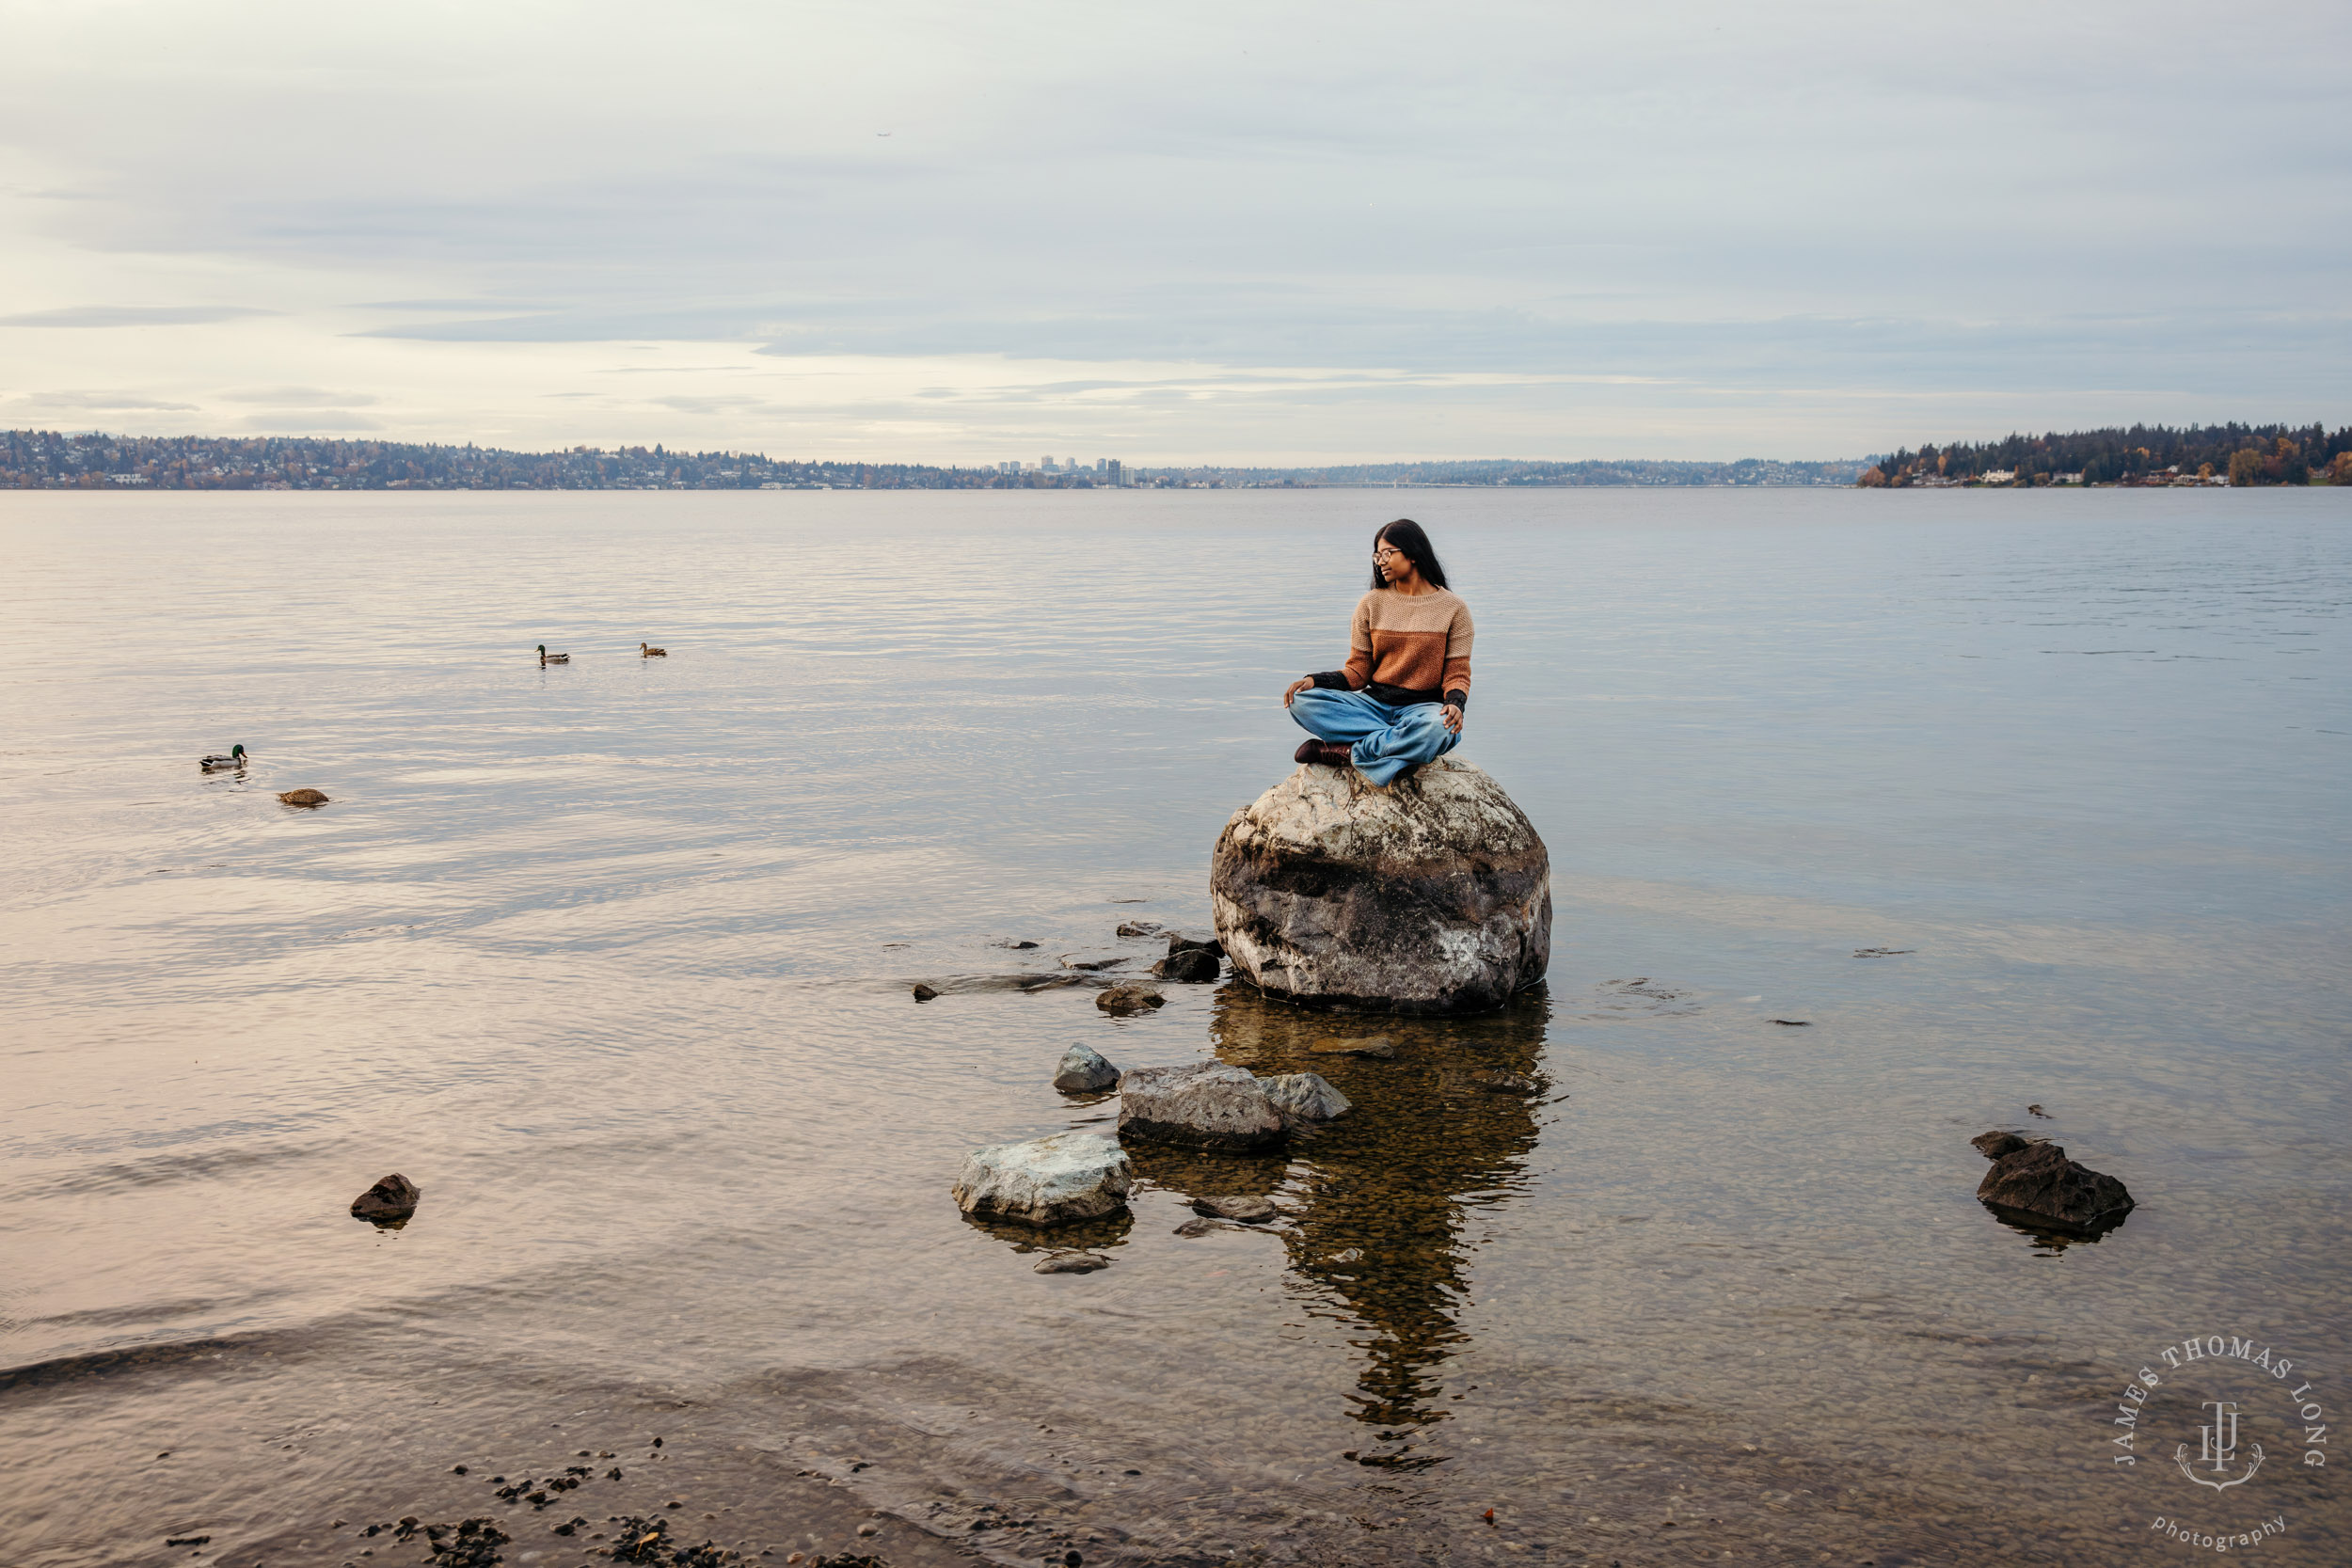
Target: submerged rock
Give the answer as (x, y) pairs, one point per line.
(1993, 1144)
(1251, 1208)
(1189, 964)
(1126, 1001)
(1207, 1105)
(395, 1197)
(1070, 1176)
(2038, 1185)
(1378, 1046)
(1504, 1082)
(303, 798)
(1137, 927)
(1197, 1227)
(1083, 1071)
(924, 993)
(1432, 896)
(1071, 1262)
(1304, 1096)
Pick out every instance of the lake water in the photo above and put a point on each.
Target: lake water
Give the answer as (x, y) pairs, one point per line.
(613, 958)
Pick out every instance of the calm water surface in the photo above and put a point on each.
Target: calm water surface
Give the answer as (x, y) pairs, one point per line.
(613, 958)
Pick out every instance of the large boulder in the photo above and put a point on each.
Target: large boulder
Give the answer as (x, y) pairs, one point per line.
(1070, 1176)
(1211, 1105)
(1432, 896)
(2038, 1184)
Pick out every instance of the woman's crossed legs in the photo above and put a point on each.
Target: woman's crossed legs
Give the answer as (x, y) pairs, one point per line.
(1387, 739)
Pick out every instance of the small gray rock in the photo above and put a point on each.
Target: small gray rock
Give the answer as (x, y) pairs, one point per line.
(1210, 1106)
(395, 1197)
(1995, 1144)
(2039, 1186)
(1139, 928)
(1304, 1096)
(1070, 1176)
(1249, 1208)
(1189, 964)
(1196, 1228)
(1019, 947)
(1126, 1001)
(1083, 1071)
(1091, 964)
(1069, 1262)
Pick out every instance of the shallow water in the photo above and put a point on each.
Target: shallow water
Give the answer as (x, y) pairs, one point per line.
(614, 959)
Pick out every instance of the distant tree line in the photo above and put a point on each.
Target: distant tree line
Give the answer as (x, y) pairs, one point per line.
(55, 460)
(52, 460)
(1508, 471)
(2143, 455)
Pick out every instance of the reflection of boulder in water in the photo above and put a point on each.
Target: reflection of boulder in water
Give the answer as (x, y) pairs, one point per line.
(1376, 1200)
(1430, 897)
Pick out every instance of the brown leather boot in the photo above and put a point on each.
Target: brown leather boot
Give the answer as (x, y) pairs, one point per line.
(1324, 752)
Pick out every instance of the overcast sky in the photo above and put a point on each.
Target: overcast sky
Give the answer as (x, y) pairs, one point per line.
(1246, 233)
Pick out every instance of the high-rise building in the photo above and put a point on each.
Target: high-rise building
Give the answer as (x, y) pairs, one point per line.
(1117, 476)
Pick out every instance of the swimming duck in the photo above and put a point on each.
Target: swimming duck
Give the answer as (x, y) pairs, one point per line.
(234, 759)
(648, 651)
(547, 657)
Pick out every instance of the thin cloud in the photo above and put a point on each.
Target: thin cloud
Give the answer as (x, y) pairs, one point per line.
(134, 315)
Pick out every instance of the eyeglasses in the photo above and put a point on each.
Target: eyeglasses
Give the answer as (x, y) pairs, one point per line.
(1385, 552)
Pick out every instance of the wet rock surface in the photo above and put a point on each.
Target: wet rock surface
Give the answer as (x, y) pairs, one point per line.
(1084, 1070)
(1127, 1000)
(395, 1197)
(1210, 1106)
(1304, 1096)
(1433, 895)
(1070, 1176)
(1249, 1208)
(2038, 1185)
(1137, 927)
(924, 993)
(1069, 1262)
(303, 798)
(1993, 1144)
(1191, 965)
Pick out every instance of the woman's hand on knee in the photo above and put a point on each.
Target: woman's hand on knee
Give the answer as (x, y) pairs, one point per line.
(1452, 717)
(1301, 684)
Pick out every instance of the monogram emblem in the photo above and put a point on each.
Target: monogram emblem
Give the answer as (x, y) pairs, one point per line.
(2217, 1448)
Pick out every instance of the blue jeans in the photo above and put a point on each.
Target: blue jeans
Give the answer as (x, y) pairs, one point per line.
(1388, 739)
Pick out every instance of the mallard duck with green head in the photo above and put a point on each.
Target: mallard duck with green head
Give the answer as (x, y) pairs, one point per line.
(214, 765)
(547, 657)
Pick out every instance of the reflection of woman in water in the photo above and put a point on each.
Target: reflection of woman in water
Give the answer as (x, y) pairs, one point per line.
(1398, 700)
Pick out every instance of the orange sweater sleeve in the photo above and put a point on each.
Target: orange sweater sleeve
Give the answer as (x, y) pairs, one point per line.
(1359, 666)
(1457, 652)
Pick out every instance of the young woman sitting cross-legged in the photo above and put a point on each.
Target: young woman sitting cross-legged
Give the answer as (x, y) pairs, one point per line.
(1398, 700)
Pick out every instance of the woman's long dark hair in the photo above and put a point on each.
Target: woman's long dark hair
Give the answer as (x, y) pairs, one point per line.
(1405, 535)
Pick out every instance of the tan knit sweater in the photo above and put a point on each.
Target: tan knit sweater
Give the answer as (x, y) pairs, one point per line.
(1407, 648)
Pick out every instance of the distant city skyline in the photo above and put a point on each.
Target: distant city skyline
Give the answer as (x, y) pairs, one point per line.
(922, 232)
